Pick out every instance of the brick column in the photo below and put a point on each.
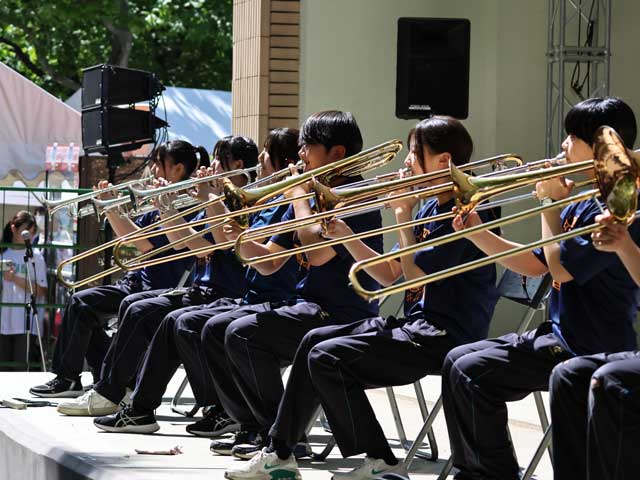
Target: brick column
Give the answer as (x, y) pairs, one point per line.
(266, 53)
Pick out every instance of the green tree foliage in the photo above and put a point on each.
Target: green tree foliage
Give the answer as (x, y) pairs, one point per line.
(184, 42)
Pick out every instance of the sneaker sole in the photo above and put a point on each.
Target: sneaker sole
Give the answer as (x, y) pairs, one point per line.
(83, 412)
(217, 433)
(279, 475)
(220, 451)
(67, 394)
(151, 428)
(245, 456)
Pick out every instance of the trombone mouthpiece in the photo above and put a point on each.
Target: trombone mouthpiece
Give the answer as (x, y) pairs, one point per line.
(560, 159)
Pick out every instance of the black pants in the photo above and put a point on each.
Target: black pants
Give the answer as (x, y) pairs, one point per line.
(595, 410)
(141, 317)
(477, 381)
(82, 333)
(343, 362)
(177, 341)
(257, 347)
(229, 396)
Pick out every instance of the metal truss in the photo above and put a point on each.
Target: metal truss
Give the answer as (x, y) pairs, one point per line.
(578, 54)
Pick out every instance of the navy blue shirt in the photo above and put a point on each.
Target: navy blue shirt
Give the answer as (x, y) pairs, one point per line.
(165, 275)
(220, 270)
(463, 304)
(595, 311)
(279, 286)
(328, 284)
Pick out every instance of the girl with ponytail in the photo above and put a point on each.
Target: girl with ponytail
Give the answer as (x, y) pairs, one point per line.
(15, 289)
(82, 334)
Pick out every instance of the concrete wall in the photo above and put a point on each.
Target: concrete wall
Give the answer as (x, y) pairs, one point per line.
(348, 62)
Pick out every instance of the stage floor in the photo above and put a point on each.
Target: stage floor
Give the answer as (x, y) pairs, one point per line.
(38, 443)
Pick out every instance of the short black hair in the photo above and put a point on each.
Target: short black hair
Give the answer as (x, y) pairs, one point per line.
(331, 128)
(282, 145)
(584, 119)
(236, 148)
(182, 152)
(441, 134)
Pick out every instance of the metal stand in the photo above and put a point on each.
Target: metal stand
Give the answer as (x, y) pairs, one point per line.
(579, 37)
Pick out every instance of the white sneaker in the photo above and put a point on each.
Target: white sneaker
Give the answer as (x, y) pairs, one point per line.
(91, 404)
(265, 466)
(370, 469)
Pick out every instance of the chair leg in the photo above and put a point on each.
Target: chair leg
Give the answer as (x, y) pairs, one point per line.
(431, 437)
(331, 443)
(427, 451)
(446, 470)
(533, 464)
(417, 443)
(544, 419)
(175, 401)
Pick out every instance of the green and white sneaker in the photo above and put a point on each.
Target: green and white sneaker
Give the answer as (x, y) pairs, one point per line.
(265, 465)
(370, 469)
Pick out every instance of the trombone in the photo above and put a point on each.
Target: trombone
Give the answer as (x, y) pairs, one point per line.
(238, 200)
(141, 199)
(118, 202)
(617, 173)
(53, 206)
(244, 201)
(343, 202)
(144, 204)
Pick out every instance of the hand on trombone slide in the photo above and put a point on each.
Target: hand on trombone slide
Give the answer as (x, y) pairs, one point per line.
(613, 236)
(462, 221)
(336, 228)
(297, 190)
(107, 195)
(232, 230)
(207, 190)
(556, 188)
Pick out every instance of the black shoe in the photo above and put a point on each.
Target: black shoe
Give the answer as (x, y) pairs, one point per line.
(59, 387)
(302, 450)
(224, 446)
(128, 420)
(248, 450)
(213, 424)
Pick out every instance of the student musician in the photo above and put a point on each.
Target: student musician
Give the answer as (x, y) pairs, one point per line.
(597, 396)
(140, 314)
(83, 334)
(177, 340)
(592, 308)
(334, 365)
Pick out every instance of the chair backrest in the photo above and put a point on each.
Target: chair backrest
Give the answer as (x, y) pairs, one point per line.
(529, 291)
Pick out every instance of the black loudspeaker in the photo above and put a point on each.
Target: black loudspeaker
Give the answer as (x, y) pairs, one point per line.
(432, 72)
(104, 85)
(118, 129)
(105, 126)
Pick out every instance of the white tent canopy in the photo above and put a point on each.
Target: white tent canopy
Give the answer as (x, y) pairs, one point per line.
(30, 119)
(200, 117)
